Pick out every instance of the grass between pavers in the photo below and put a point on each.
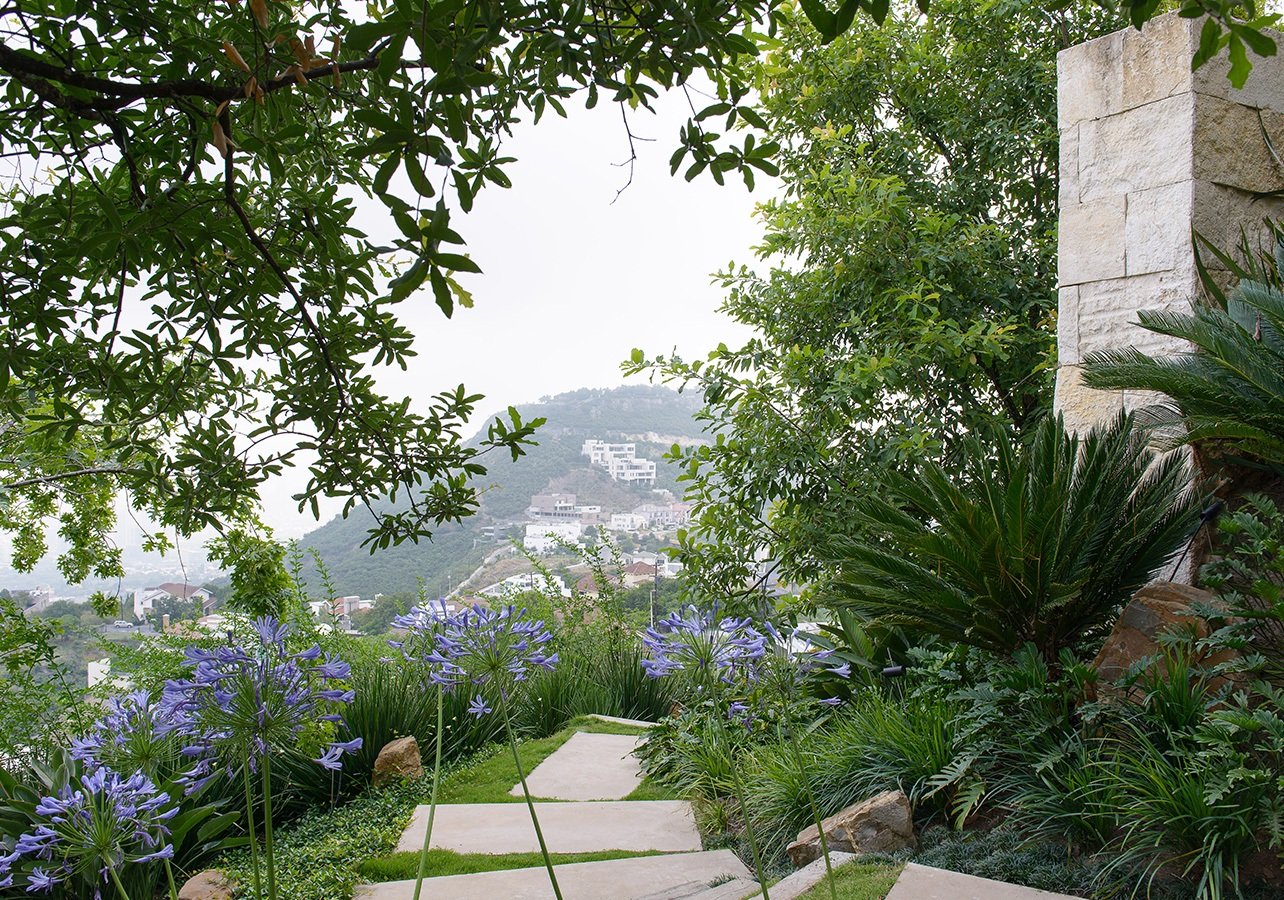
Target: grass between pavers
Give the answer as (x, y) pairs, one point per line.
(490, 779)
(405, 865)
(857, 880)
(318, 855)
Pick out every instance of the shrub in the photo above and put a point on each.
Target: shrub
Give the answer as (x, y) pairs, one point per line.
(1041, 545)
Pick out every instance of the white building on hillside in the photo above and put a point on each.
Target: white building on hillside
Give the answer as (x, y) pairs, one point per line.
(620, 461)
(545, 537)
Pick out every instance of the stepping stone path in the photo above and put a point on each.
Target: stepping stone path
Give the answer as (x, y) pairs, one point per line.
(582, 786)
(587, 767)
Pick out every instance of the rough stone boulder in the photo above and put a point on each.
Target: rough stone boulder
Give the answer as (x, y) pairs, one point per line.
(398, 759)
(881, 824)
(212, 884)
(1155, 609)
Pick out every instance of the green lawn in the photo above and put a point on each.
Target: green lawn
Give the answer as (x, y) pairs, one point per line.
(405, 865)
(858, 881)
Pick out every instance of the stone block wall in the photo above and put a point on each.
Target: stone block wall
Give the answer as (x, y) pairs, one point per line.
(1150, 151)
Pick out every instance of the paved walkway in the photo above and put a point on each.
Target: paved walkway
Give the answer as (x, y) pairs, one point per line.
(665, 825)
(587, 767)
(584, 782)
(689, 874)
(926, 883)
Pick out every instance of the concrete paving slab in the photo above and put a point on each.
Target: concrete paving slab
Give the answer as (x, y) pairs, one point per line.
(926, 883)
(664, 825)
(587, 767)
(734, 889)
(636, 723)
(616, 879)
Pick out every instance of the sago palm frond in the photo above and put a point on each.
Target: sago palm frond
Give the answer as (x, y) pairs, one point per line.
(1228, 391)
(1039, 544)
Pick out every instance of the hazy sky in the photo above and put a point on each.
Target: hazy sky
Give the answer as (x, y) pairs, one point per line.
(573, 281)
(574, 278)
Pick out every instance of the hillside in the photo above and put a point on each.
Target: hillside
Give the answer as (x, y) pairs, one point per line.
(633, 413)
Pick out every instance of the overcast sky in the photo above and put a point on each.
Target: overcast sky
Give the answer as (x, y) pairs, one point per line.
(573, 277)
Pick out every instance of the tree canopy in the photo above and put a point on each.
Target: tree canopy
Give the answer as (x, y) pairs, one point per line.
(189, 304)
(911, 290)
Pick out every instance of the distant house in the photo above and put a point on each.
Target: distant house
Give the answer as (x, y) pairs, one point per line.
(664, 515)
(341, 607)
(627, 522)
(620, 461)
(545, 538)
(190, 592)
(639, 573)
(526, 581)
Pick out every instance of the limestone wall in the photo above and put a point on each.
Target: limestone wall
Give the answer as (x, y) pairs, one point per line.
(1150, 150)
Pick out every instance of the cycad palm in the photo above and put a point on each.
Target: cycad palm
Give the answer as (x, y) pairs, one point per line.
(1228, 393)
(1041, 544)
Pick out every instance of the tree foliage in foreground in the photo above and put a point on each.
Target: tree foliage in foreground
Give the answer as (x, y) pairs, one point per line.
(912, 285)
(190, 303)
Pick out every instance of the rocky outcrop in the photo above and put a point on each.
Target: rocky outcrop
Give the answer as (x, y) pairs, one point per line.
(398, 759)
(1154, 610)
(212, 884)
(881, 824)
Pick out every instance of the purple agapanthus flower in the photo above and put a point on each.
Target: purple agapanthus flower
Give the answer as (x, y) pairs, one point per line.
(704, 646)
(105, 822)
(243, 703)
(136, 734)
(478, 646)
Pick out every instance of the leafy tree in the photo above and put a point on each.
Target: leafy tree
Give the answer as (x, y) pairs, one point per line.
(189, 303)
(1040, 546)
(912, 285)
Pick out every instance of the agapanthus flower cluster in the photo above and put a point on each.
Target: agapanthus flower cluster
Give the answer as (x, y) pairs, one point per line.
(477, 646)
(791, 661)
(242, 704)
(137, 734)
(707, 648)
(495, 646)
(92, 830)
(423, 625)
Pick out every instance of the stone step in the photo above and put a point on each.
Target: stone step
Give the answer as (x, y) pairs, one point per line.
(927, 883)
(587, 767)
(733, 889)
(636, 723)
(664, 825)
(615, 879)
(802, 880)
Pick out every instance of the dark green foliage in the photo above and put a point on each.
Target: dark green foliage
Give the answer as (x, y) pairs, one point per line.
(1041, 544)
(1248, 576)
(906, 292)
(1226, 394)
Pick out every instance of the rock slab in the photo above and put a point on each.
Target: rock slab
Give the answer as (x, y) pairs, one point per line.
(1153, 610)
(398, 759)
(666, 826)
(587, 767)
(881, 824)
(926, 883)
(615, 879)
(212, 884)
